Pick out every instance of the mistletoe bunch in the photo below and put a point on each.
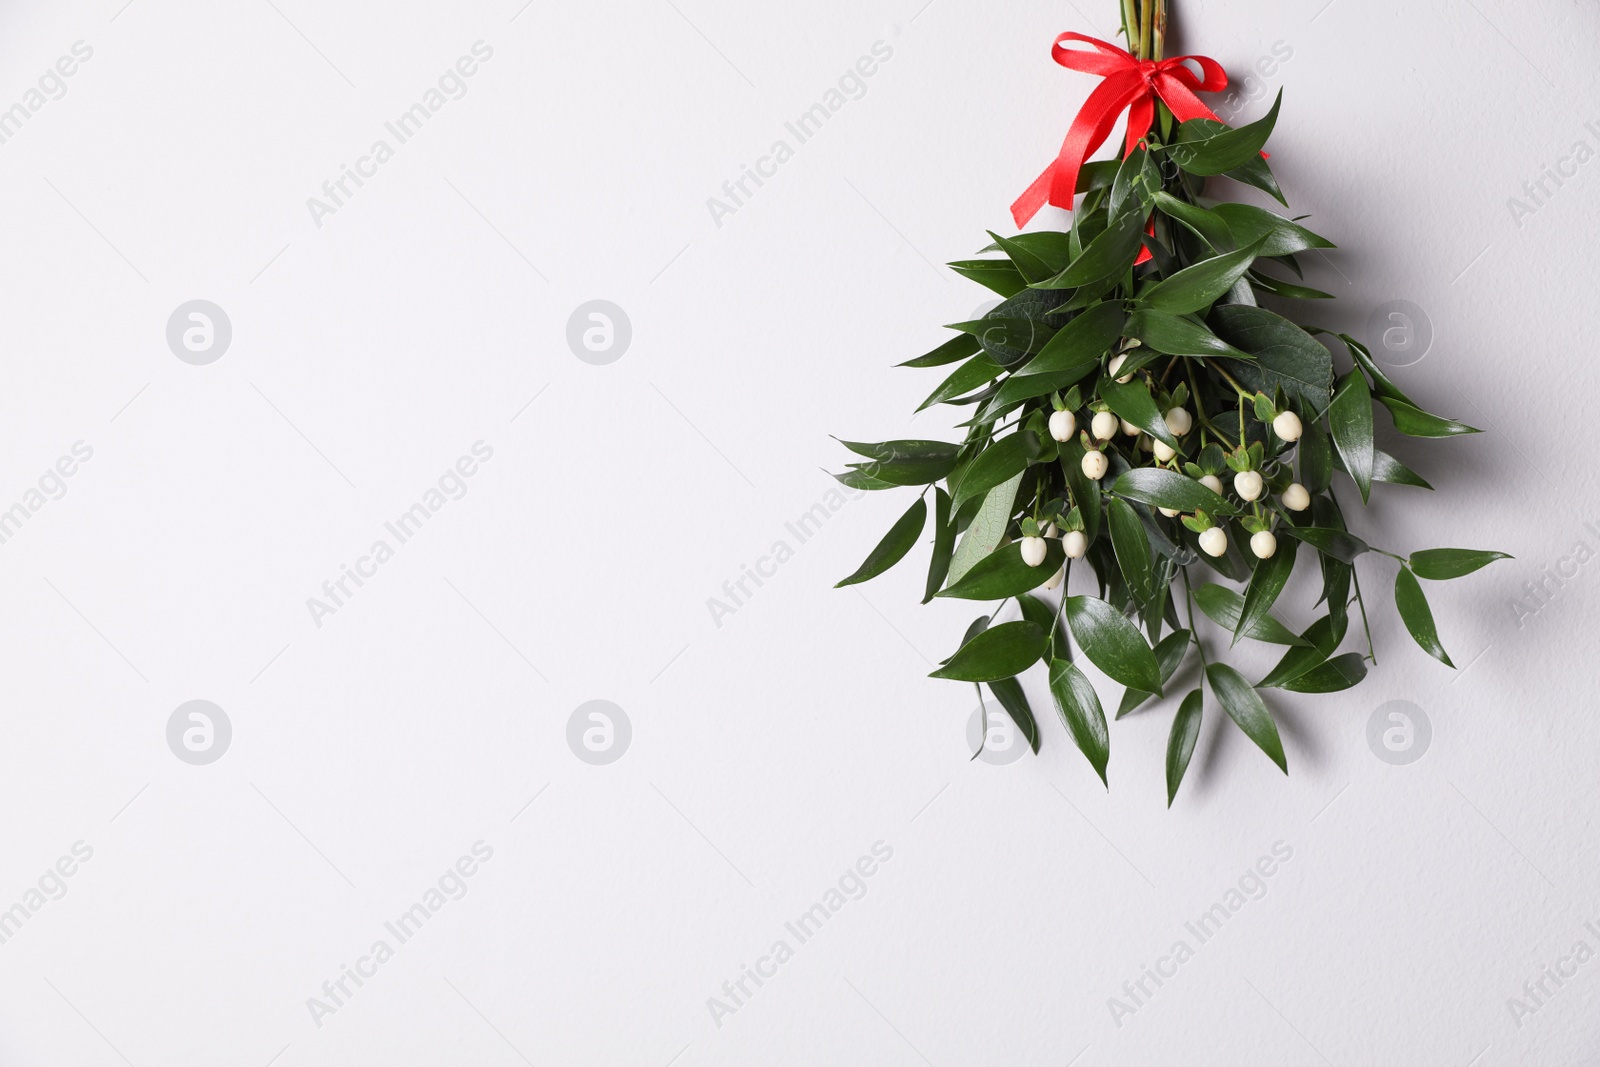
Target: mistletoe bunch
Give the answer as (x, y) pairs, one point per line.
(1135, 410)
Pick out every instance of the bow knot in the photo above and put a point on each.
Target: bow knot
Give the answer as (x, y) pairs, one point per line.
(1128, 84)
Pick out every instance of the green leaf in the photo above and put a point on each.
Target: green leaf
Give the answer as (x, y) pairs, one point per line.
(894, 546)
(1079, 344)
(1180, 742)
(1334, 676)
(997, 275)
(1441, 564)
(1223, 606)
(1350, 419)
(1417, 616)
(907, 462)
(954, 350)
(1134, 403)
(1169, 489)
(1382, 385)
(998, 463)
(1169, 656)
(997, 653)
(1243, 705)
(1206, 147)
(1323, 636)
(1085, 490)
(1414, 422)
(1009, 692)
(1043, 615)
(1256, 173)
(1007, 340)
(1387, 469)
(1198, 286)
(860, 479)
(1003, 573)
(1285, 356)
(1206, 224)
(1285, 289)
(1280, 236)
(988, 526)
(1174, 336)
(967, 377)
(1029, 263)
(1316, 457)
(1079, 706)
(1113, 644)
(1107, 256)
(1339, 544)
(944, 541)
(1133, 550)
(1266, 582)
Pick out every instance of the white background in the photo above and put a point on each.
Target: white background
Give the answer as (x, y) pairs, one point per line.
(770, 752)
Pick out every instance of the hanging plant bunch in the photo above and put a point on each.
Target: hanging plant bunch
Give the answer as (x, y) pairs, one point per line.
(1133, 409)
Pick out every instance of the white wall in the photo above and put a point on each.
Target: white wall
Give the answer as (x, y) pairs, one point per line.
(768, 753)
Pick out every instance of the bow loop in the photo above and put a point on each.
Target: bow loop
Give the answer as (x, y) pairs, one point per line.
(1129, 84)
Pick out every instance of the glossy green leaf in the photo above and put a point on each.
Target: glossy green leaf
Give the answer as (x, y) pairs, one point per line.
(1243, 705)
(1414, 422)
(1350, 419)
(894, 546)
(1334, 676)
(1387, 469)
(1180, 742)
(1266, 582)
(1132, 401)
(860, 479)
(997, 653)
(1315, 452)
(997, 275)
(1288, 290)
(1417, 616)
(1132, 549)
(1169, 489)
(1107, 256)
(1440, 564)
(1336, 543)
(1199, 286)
(988, 526)
(1206, 147)
(1085, 490)
(907, 462)
(944, 543)
(1322, 637)
(954, 350)
(1080, 343)
(1113, 644)
(1286, 356)
(1080, 709)
(1000, 462)
(1175, 336)
(1009, 692)
(967, 377)
(1224, 607)
(1207, 225)
(1028, 262)
(1279, 236)
(1044, 616)
(1169, 657)
(1003, 573)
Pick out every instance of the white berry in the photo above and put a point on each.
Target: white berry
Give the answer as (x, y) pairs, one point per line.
(1213, 483)
(1214, 542)
(1033, 551)
(1063, 424)
(1170, 513)
(1287, 426)
(1103, 425)
(1179, 421)
(1116, 365)
(1130, 429)
(1164, 452)
(1263, 544)
(1055, 579)
(1051, 531)
(1247, 484)
(1095, 465)
(1295, 498)
(1075, 543)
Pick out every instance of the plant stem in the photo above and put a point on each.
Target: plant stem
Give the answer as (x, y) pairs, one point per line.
(1130, 24)
(1230, 379)
(1194, 634)
(1146, 21)
(1356, 578)
(1160, 30)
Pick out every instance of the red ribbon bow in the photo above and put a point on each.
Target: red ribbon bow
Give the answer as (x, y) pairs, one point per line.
(1131, 84)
